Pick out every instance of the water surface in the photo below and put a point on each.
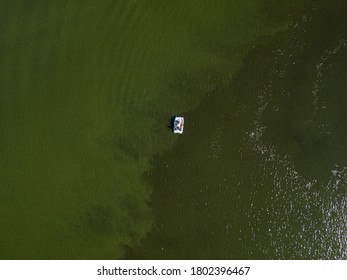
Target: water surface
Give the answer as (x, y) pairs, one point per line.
(89, 170)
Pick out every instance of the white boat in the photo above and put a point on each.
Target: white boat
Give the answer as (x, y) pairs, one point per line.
(178, 125)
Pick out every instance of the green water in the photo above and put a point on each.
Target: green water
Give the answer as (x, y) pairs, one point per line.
(89, 169)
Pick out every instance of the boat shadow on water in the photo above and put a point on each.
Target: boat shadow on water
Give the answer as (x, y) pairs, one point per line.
(171, 122)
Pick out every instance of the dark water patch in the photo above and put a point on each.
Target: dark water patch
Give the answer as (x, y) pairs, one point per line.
(308, 78)
(256, 175)
(193, 181)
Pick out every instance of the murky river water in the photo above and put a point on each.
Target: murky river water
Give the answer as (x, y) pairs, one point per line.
(89, 168)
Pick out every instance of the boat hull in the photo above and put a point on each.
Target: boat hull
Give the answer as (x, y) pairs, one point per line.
(178, 125)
